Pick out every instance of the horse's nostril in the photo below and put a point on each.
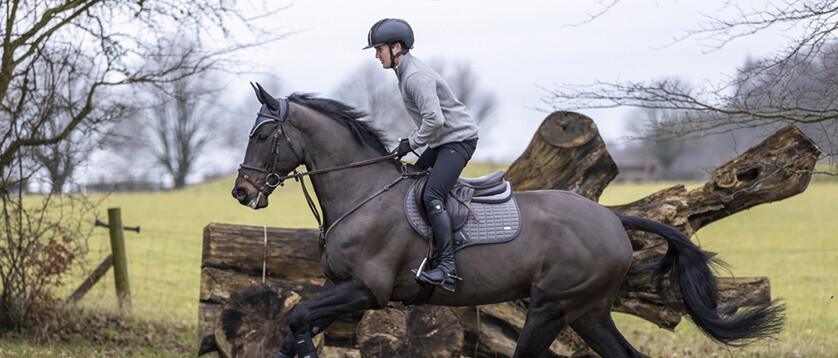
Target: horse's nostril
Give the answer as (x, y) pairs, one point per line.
(239, 193)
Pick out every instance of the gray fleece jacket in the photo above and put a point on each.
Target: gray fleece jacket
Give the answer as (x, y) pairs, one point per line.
(440, 118)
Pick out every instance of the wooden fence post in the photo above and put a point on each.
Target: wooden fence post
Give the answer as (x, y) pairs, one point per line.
(120, 260)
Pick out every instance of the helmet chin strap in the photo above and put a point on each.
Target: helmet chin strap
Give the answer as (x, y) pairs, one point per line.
(393, 56)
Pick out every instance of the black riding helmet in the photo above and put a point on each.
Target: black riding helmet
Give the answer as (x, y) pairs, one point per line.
(389, 32)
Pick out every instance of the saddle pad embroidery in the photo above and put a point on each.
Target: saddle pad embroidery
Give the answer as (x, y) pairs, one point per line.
(499, 222)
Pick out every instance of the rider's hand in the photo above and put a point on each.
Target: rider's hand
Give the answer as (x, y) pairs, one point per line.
(403, 149)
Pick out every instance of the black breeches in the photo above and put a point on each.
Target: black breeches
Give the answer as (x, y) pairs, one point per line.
(447, 162)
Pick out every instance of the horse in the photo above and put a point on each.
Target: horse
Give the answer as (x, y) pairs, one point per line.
(570, 256)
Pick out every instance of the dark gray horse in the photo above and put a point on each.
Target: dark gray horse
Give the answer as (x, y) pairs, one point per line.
(570, 257)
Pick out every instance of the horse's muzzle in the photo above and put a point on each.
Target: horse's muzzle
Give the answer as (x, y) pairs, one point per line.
(240, 194)
(254, 200)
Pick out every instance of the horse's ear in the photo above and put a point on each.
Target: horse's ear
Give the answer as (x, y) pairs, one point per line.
(258, 95)
(266, 98)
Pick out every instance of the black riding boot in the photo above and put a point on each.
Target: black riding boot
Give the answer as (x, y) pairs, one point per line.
(445, 274)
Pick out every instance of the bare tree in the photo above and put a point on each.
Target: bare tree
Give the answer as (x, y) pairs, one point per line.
(649, 125)
(61, 159)
(174, 127)
(798, 84)
(180, 122)
(55, 74)
(63, 69)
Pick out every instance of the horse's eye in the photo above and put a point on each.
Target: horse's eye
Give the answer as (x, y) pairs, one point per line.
(262, 137)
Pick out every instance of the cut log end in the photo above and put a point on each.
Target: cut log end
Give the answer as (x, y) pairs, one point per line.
(568, 129)
(423, 331)
(255, 322)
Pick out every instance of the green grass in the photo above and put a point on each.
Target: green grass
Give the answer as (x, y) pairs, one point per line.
(791, 242)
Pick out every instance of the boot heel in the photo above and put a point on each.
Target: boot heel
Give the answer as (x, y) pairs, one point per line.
(450, 284)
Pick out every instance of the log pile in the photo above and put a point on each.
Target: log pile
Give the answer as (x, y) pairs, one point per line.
(566, 153)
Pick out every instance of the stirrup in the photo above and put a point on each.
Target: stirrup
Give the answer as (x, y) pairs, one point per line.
(418, 271)
(448, 283)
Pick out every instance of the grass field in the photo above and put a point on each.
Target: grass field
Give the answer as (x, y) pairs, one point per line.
(791, 242)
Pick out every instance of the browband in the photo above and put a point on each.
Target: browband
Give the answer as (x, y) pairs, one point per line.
(262, 118)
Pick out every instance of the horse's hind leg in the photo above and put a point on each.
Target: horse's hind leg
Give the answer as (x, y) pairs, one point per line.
(545, 319)
(597, 328)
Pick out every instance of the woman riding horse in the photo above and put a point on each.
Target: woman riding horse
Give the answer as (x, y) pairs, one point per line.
(443, 123)
(570, 257)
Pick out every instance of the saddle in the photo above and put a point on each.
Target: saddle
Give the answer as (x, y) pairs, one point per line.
(488, 188)
(482, 210)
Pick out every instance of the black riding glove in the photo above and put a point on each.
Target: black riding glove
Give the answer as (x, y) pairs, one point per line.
(403, 149)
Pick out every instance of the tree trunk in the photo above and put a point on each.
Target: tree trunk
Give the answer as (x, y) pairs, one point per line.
(565, 153)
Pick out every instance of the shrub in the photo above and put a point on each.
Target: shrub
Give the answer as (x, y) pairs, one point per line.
(40, 239)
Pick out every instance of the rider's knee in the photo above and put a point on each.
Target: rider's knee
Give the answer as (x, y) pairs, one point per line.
(428, 200)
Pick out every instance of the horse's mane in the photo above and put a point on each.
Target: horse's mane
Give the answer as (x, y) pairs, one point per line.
(347, 116)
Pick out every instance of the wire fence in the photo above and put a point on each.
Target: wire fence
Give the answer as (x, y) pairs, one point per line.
(164, 273)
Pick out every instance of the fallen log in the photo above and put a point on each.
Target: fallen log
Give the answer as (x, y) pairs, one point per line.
(779, 167)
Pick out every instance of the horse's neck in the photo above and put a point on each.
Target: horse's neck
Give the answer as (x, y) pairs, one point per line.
(340, 191)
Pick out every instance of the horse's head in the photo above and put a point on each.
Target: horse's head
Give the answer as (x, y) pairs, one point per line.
(270, 154)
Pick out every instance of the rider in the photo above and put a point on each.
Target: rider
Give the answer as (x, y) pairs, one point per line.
(443, 123)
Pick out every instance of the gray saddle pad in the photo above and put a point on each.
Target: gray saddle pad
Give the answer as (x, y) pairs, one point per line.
(499, 222)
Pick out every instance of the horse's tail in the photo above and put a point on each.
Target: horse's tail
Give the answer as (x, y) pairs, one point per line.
(690, 268)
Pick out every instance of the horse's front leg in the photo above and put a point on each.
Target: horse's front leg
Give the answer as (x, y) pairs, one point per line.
(314, 315)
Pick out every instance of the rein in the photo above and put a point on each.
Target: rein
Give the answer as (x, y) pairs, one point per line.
(298, 176)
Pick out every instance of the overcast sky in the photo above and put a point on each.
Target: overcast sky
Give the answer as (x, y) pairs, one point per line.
(515, 47)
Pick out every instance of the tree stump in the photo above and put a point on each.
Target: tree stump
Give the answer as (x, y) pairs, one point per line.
(255, 322)
(423, 331)
(566, 153)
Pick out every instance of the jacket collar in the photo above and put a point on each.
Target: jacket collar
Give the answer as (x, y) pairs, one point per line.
(404, 63)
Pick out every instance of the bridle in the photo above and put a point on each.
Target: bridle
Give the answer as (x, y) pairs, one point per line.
(274, 179)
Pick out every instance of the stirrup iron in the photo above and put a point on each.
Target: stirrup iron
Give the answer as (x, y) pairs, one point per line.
(418, 271)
